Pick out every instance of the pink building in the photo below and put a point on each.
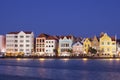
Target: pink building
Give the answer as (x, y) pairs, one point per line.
(77, 48)
(2, 43)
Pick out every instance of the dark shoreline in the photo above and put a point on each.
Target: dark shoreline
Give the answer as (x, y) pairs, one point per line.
(61, 57)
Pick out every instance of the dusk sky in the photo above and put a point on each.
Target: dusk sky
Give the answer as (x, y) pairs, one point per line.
(84, 18)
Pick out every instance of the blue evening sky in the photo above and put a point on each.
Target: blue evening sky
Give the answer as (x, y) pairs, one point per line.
(61, 17)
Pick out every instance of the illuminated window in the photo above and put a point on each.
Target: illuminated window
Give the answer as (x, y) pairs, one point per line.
(108, 43)
(102, 43)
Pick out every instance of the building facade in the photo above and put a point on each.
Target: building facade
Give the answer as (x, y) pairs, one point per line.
(65, 45)
(40, 44)
(2, 45)
(86, 45)
(107, 45)
(77, 48)
(95, 43)
(51, 46)
(17, 42)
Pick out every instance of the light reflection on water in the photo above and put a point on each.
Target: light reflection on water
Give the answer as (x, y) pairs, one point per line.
(62, 69)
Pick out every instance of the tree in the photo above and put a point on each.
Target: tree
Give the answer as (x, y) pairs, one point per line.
(56, 52)
(92, 50)
(70, 50)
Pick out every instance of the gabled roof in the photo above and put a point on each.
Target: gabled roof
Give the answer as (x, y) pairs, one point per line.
(77, 42)
(113, 38)
(68, 37)
(52, 38)
(95, 37)
(43, 35)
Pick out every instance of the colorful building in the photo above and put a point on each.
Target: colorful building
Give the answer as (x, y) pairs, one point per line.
(77, 48)
(65, 45)
(95, 43)
(2, 45)
(86, 45)
(40, 44)
(108, 45)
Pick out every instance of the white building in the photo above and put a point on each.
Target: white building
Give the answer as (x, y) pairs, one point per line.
(51, 44)
(20, 42)
(65, 45)
(2, 44)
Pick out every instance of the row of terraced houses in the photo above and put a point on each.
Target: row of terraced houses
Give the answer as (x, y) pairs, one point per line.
(25, 43)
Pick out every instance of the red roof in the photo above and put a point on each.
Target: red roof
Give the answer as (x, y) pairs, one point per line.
(113, 38)
(43, 35)
(68, 37)
(52, 38)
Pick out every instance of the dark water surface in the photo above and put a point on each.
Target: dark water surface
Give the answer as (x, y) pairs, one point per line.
(59, 69)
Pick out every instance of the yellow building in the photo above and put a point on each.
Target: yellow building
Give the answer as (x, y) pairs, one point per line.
(107, 45)
(86, 45)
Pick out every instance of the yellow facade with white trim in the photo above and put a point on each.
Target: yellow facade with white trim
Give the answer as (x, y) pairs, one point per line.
(107, 45)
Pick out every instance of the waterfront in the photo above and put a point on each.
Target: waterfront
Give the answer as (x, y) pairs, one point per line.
(59, 69)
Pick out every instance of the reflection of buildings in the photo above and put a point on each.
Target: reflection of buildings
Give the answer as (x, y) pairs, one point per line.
(20, 42)
(2, 43)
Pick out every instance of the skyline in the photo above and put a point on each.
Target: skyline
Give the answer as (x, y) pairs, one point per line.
(80, 18)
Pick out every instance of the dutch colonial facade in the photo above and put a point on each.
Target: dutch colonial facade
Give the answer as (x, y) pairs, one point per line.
(17, 42)
(65, 45)
(51, 45)
(77, 48)
(40, 44)
(95, 43)
(86, 45)
(108, 45)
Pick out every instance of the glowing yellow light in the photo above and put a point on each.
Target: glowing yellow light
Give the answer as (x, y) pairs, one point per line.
(85, 59)
(41, 59)
(66, 59)
(24, 59)
(117, 59)
(18, 59)
(111, 59)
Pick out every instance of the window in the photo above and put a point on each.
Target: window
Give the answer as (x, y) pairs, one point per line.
(16, 36)
(113, 43)
(108, 43)
(108, 49)
(102, 43)
(27, 49)
(21, 41)
(21, 50)
(21, 45)
(43, 40)
(21, 36)
(16, 45)
(27, 41)
(27, 36)
(16, 49)
(16, 40)
(27, 45)
(37, 40)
